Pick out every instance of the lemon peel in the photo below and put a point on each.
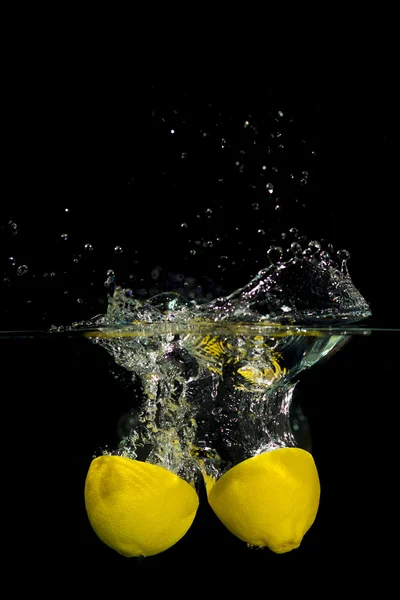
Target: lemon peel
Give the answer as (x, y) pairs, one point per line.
(268, 500)
(137, 508)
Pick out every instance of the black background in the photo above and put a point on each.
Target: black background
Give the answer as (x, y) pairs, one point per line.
(76, 139)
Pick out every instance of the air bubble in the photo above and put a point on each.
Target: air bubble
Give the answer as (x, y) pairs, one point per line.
(64, 236)
(12, 260)
(270, 188)
(261, 231)
(256, 206)
(88, 247)
(155, 274)
(184, 225)
(192, 252)
(22, 270)
(118, 250)
(294, 232)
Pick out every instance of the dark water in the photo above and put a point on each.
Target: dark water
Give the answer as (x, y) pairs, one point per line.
(65, 398)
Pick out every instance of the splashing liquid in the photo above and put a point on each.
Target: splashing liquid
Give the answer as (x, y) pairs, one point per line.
(218, 377)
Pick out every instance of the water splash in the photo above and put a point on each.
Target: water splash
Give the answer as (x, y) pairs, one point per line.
(219, 395)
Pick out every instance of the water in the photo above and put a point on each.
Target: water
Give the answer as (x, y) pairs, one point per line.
(198, 387)
(207, 376)
(69, 400)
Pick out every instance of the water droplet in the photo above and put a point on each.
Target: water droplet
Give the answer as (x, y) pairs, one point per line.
(343, 254)
(64, 236)
(184, 225)
(256, 206)
(22, 269)
(118, 250)
(172, 131)
(264, 168)
(324, 256)
(270, 188)
(295, 248)
(13, 227)
(66, 209)
(275, 254)
(304, 178)
(314, 246)
(155, 274)
(88, 247)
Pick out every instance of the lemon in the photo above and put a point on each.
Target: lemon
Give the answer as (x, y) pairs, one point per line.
(268, 500)
(137, 508)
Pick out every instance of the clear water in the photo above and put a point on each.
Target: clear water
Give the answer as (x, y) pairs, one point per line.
(217, 378)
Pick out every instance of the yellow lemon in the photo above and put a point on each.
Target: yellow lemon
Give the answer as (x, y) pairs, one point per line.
(268, 500)
(137, 508)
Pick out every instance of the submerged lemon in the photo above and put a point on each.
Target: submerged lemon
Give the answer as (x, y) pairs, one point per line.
(137, 508)
(268, 500)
